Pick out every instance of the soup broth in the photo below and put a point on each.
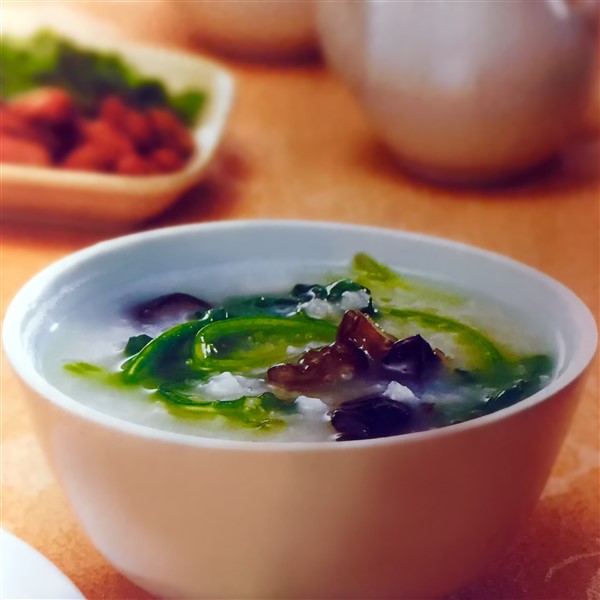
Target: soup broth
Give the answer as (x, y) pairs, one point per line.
(328, 354)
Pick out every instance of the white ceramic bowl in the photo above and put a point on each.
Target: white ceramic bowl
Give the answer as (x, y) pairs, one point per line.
(100, 199)
(414, 516)
(258, 29)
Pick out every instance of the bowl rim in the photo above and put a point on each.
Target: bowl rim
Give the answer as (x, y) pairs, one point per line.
(22, 362)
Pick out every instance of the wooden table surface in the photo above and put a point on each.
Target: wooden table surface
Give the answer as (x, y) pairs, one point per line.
(298, 147)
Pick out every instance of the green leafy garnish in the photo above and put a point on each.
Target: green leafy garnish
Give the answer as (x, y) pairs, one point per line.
(262, 412)
(96, 373)
(83, 368)
(390, 289)
(167, 357)
(370, 270)
(245, 343)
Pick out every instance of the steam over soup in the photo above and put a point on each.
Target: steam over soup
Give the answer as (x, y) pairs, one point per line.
(366, 354)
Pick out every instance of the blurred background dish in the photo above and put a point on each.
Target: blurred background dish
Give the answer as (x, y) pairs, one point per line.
(69, 107)
(267, 29)
(250, 29)
(460, 92)
(114, 134)
(468, 92)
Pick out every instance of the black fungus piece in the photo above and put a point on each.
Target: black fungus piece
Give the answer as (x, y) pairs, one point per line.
(170, 308)
(371, 417)
(411, 360)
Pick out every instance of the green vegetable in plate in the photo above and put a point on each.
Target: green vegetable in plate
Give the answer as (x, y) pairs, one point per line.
(47, 59)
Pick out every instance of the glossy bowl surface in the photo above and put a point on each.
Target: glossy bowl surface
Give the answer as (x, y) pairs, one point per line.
(414, 516)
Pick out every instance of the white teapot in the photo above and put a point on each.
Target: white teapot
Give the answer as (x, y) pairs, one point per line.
(466, 91)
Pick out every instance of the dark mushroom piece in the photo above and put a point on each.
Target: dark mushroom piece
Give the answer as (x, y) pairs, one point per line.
(411, 360)
(169, 309)
(371, 417)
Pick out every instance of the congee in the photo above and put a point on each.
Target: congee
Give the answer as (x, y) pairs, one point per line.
(338, 354)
